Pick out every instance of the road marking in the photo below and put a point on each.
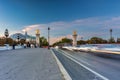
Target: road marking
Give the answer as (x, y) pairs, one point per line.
(76, 58)
(97, 74)
(61, 67)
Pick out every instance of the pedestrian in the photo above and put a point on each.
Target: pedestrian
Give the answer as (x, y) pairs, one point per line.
(24, 45)
(13, 46)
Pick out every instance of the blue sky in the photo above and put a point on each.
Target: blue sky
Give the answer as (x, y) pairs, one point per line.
(88, 17)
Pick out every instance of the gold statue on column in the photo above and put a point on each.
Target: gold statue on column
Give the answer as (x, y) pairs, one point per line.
(74, 33)
(37, 31)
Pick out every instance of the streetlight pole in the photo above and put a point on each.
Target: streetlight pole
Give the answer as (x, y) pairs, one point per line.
(111, 35)
(18, 37)
(6, 35)
(48, 37)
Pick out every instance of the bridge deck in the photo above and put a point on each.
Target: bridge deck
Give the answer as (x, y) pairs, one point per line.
(28, 64)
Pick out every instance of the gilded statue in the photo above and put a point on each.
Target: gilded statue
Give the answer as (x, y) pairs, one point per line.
(37, 31)
(74, 33)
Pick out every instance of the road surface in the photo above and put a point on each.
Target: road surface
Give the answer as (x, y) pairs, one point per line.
(105, 68)
(28, 64)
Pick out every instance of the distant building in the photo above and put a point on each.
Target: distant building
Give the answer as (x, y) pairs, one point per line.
(25, 36)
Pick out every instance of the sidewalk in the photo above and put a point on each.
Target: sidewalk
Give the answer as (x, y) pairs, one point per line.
(29, 64)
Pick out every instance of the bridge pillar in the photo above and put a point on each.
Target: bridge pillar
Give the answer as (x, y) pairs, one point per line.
(74, 38)
(38, 38)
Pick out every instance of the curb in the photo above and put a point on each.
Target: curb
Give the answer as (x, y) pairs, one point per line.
(61, 67)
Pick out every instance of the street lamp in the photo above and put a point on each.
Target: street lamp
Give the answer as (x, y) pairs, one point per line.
(6, 34)
(48, 37)
(111, 35)
(18, 37)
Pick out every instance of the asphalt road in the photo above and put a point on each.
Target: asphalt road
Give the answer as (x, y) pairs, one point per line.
(28, 64)
(105, 66)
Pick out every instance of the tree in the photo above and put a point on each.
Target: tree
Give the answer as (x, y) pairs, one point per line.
(81, 42)
(57, 44)
(2, 41)
(9, 41)
(96, 40)
(43, 41)
(64, 41)
(112, 40)
(118, 40)
(22, 41)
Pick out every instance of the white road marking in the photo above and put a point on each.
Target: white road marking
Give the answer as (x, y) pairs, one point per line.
(61, 67)
(94, 72)
(76, 58)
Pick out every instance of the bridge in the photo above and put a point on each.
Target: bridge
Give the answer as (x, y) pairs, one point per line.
(57, 64)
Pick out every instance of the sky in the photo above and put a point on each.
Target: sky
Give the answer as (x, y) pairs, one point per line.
(88, 17)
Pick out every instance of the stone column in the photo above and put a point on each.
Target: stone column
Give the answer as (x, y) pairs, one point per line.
(74, 38)
(38, 37)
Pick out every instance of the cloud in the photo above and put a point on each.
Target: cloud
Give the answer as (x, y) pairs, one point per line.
(86, 28)
(33, 27)
(86, 22)
(113, 22)
(62, 25)
(29, 28)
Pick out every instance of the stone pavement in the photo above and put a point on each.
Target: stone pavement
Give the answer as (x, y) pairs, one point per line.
(28, 64)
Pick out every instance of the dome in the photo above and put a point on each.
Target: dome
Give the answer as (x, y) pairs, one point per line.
(15, 36)
(21, 36)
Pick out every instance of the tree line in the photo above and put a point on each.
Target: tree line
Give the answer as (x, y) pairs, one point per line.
(93, 40)
(97, 40)
(10, 41)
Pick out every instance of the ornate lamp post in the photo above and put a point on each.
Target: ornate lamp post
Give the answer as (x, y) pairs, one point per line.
(6, 35)
(111, 35)
(48, 37)
(18, 37)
